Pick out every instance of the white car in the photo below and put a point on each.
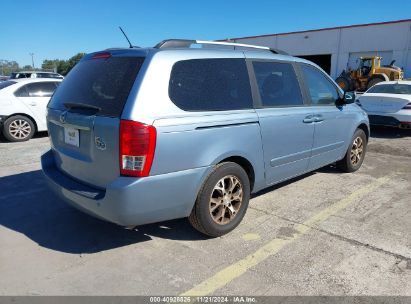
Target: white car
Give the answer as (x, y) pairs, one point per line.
(35, 74)
(23, 104)
(388, 103)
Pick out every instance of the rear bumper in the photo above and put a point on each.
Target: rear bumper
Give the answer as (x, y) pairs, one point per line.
(130, 201)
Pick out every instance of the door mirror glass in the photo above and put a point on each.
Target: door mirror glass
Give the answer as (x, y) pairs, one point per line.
(349, 97)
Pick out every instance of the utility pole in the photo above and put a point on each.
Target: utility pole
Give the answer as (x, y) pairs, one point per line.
(32, 60)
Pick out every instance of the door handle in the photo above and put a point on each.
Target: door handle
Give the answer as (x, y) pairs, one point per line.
(318, 118)
(313, 118)
(308, 119)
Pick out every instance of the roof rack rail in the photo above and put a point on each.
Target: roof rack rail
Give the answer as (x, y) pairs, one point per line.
(186, 43)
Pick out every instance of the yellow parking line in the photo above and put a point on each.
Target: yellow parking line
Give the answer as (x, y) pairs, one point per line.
(251, 237)
(225, 276)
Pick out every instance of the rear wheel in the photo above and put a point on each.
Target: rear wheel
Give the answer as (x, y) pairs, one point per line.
(343, 83)
(18, 128)
(354, 157)
(222, 201)
(373, 82)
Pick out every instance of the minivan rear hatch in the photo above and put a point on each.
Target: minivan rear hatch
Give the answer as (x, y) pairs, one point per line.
(84, 115)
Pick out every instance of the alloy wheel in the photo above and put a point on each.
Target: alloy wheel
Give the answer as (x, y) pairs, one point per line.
(19, 129)
(226, 199)
(357, 150)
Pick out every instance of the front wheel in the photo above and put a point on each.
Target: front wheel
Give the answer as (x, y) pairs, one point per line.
(222, 201)
(18, 128)
(355, 155)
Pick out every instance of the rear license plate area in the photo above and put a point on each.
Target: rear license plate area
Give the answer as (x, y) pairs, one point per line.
(72, 137)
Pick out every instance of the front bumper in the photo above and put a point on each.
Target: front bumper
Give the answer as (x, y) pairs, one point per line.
(390, 119)
(130, 201)
(382, 120)
(2, 119)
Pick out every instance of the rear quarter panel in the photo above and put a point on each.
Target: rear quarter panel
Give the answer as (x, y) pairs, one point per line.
(200, 140)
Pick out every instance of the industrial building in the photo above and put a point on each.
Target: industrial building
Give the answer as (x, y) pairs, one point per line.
(337, 48)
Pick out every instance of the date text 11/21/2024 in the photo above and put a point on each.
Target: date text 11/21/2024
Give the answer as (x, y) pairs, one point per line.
(203, 299)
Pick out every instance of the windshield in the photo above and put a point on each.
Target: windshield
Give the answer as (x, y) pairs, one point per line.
(99, 83)
(391, 89)
(366, 63)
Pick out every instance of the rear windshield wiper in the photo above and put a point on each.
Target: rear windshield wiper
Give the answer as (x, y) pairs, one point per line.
(79, 105)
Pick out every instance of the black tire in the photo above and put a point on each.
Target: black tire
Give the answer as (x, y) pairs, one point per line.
(347, 164)
(12, 132)
(343, 83)
(203, 218)
(374, 81)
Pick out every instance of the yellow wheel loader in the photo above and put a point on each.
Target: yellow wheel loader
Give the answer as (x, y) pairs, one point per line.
(368, 73)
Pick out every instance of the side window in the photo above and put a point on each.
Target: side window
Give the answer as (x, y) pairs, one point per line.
(22, 92)
(321, 90)
(278, 84)
(41, 89)
(210, 85)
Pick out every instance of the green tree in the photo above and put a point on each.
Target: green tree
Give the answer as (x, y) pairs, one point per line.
(7, 67)
(62, 66)
(50, 65)
(72, 62)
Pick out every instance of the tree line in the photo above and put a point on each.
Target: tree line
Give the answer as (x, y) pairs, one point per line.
(61, 66)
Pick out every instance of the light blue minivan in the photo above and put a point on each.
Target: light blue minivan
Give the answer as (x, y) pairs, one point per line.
(191, 128)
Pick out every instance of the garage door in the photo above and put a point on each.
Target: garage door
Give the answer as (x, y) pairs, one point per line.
(324, 61)
(386, 57)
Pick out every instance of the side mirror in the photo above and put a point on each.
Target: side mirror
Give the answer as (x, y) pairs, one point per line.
(349, 97)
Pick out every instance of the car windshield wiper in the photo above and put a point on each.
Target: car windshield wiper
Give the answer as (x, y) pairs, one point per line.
(78, 105)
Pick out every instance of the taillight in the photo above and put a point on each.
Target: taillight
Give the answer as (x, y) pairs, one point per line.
(102, 55)
(137, 146)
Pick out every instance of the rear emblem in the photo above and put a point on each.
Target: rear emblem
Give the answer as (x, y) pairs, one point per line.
(100, 144)
(63, 117)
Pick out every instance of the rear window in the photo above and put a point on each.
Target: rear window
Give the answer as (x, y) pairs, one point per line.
(102, 83)
(391, 89)
(210, 85)
(5, 84)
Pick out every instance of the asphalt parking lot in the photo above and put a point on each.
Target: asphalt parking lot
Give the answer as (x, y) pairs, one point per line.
(325, 233)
